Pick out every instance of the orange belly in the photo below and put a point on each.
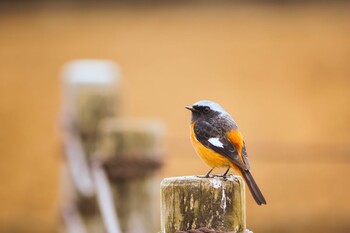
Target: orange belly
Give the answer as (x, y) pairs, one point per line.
(210, 157)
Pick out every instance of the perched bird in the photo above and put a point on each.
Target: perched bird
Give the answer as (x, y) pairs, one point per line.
(218, 141)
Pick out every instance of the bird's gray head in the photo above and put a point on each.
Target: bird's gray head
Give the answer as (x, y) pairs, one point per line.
(206, 108)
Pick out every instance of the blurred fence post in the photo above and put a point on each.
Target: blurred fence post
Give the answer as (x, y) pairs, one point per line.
(132, 150)
(89, 96)
(192, 202)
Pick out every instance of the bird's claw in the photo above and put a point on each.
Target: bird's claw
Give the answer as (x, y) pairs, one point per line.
(205, 176)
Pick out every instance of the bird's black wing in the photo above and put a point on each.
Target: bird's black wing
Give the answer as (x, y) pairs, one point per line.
(215, 139)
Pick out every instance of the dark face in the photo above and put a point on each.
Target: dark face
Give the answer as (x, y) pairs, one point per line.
(199, 111)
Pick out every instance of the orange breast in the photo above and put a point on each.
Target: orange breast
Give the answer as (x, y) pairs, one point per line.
(210, 157)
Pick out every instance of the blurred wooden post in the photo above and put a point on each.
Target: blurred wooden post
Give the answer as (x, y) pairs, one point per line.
(192, 202)
(89, 96)
(132, 151)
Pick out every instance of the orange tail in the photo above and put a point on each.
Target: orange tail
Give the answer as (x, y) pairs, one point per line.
(253, 187)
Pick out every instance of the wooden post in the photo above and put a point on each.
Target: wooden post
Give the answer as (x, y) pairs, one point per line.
(192, 202)
(133, 150)
(89, 96)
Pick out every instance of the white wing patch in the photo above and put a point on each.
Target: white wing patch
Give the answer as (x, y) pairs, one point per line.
(216, 142)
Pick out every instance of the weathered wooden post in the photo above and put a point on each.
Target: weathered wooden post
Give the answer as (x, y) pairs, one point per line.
(191, 202)
(89, 96)
(133, 150)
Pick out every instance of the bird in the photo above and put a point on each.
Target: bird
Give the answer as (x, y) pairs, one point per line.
(218, 141)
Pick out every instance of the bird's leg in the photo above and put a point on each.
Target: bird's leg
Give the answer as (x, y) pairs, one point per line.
(207, 175)
(224, 175)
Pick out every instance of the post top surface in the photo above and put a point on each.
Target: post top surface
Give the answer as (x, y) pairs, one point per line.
(216, 182)
(91, 72)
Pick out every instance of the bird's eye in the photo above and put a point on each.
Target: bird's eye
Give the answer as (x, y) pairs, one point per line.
(206, 109)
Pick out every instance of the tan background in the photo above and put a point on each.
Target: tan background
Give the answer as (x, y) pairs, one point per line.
(283, 71)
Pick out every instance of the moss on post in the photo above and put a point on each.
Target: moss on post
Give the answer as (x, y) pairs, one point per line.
(192, 202)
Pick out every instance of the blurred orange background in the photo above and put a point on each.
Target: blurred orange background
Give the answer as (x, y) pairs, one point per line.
(281, 70)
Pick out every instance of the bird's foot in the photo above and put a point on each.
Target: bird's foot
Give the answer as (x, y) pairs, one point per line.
(205, 176)
(221, 176)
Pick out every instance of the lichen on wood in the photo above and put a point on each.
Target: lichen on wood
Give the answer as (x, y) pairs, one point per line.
(192, 202)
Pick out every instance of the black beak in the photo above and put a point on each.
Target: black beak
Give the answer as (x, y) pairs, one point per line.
(191, 108)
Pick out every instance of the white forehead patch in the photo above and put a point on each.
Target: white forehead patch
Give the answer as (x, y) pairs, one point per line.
(212, 105)
(216, 142)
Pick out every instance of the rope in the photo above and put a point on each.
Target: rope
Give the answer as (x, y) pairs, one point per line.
(123, 168)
